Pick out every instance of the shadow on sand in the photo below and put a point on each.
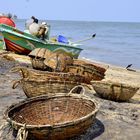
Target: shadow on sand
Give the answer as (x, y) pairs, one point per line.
(94, 131)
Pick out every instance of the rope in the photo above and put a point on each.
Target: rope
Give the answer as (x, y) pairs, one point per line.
(22, 133)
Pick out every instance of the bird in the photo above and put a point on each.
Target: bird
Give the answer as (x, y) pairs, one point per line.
(129, 66)
(93, 35)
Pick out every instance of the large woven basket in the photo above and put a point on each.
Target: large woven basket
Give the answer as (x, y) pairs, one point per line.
(91, 71)
(45, 75)
(56, 117)
(44, 59)
(114, 91)
(34, 88)
(35, 83)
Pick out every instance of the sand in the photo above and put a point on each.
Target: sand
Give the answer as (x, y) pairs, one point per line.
(114, 121)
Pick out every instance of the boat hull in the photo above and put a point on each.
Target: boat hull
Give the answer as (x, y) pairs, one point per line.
(23, 43)
(10, 46)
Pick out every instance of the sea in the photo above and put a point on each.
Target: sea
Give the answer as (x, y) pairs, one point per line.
(115, 43)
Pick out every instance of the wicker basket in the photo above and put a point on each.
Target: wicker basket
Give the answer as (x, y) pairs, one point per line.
(114, 91)
(35, 83)
(98, 67)
(45, 75)
(56, 117)
(90, 71)
(44, 59)
(34, 88)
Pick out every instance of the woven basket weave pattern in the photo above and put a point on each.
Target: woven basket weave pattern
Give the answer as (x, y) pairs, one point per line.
(114, 91)
(91, 71)
(34, 88)
(45, 75)
(56, 117)
(52, 112)
(88, 73)
(35, 83)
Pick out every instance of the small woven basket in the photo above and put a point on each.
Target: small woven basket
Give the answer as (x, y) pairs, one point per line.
(56, 117)
(91, 71)
(114, 91)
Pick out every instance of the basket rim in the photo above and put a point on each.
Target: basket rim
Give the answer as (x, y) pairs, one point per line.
(31, 73)
(51, 81)
(45, 97)
(40, 72)
(117, 84)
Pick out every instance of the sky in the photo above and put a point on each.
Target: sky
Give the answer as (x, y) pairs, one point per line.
(81, 10)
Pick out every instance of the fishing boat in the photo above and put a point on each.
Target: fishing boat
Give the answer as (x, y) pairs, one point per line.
(23, 43)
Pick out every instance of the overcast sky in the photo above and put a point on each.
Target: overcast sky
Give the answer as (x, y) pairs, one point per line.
(85, 10)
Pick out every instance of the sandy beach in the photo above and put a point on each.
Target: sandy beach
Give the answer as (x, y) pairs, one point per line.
(114, 121)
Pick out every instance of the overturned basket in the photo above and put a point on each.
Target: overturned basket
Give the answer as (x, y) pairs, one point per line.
(91, 71)
(44, 59)
(114, 91)
(56, 117)
(35, 83)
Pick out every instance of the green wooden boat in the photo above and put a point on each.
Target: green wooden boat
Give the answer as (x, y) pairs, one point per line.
(23, 43)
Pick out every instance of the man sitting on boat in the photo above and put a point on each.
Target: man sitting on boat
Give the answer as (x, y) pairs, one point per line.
(39, 30)
(34, 28)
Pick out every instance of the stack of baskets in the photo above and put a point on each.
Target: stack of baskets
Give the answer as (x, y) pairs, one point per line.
(35, 82)
(68, 73)
(44, 59)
